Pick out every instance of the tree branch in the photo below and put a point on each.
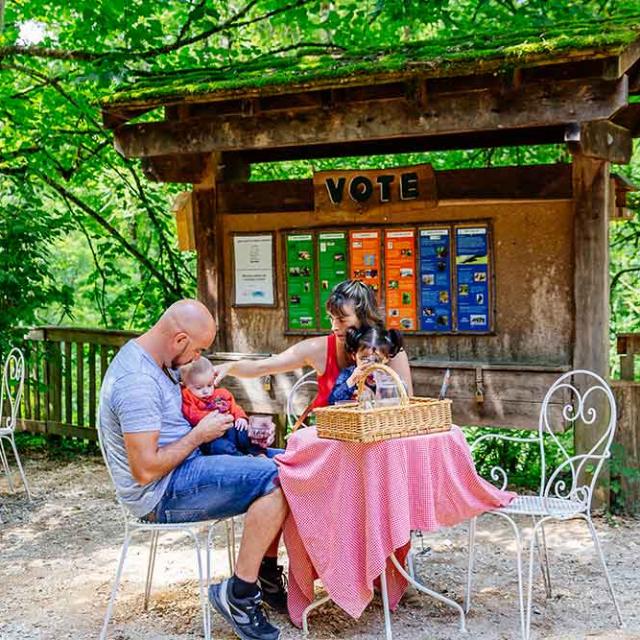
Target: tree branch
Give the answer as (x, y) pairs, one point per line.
(616, 278)
(168, 286)
(188, 22)
(91, 56)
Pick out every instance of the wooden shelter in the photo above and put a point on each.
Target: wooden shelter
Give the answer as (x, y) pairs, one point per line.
(528, 245)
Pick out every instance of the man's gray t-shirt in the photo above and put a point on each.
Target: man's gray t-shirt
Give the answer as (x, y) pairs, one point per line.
(137, 396)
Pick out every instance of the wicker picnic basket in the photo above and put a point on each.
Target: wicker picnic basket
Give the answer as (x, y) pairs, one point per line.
(412, 417)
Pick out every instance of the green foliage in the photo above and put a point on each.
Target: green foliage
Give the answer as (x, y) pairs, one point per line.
(59, 449)
(620, 471)
(521, 461)
(100, 248)
(25, 241)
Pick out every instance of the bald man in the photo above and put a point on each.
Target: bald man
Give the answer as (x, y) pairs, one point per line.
(161, 476)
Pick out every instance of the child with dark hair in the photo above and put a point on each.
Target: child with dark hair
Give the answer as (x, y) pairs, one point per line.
(366, 345)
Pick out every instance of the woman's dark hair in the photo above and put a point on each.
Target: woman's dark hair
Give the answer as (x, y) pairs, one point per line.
(361, 296)
(387, 342)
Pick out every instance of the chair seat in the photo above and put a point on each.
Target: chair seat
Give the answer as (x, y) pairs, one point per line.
(537, 506)
(143, 524)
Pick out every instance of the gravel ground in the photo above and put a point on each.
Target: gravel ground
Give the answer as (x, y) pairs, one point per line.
(59, 556)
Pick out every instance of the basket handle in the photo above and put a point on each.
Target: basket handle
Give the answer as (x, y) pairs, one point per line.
(402, 392)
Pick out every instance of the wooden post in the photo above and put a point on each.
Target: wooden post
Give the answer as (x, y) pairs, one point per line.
(68, 397)
(80, 384)
(92, 385)
(209, 241)
(592, 199)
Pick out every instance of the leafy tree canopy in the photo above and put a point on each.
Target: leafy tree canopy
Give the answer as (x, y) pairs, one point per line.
(84, 237)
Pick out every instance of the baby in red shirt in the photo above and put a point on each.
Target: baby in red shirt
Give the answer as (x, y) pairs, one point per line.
(200, 397)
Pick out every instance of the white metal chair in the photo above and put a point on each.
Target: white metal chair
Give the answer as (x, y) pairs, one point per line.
(565, 492)
(300, 389)
(133, 525)
(12, 387)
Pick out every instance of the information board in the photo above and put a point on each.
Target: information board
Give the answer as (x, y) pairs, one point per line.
(364, 249)
(435, 280)
(332, 267)
(253, 269)
(301, 297)
(400, 279)
(472, 277)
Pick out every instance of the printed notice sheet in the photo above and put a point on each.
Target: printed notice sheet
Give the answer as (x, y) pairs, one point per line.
(254, 273)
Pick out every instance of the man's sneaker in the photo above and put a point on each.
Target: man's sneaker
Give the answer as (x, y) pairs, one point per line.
(274, 589)
(245, 615)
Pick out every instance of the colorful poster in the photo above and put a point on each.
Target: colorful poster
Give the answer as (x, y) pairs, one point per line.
(400, 275)
(253, 266)
(364, 249)
(332, 268)
(435, 280)
(301, 299)
(472, 270)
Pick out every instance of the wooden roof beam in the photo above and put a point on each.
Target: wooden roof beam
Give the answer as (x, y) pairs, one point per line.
(476, 111)
(188, 168)
(447, 142)
(604, 140)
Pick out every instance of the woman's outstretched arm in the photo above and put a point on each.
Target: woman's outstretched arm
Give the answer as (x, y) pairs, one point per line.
(308, 353)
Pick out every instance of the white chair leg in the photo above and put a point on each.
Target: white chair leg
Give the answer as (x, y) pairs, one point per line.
(204, 599)
(411, 563)
(231, 544)
(546, 573)
(385, 605)
(543, 558)
(20, 469)
(116, 583)
(596, 543)
(234, 554)
(210, 535)
(533, 543)
(434, 594)
(5, 465)
(472, 540)
(518, 541)
(150, 566)
(305, 614)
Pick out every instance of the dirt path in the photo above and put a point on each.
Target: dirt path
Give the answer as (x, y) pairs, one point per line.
(58, 559)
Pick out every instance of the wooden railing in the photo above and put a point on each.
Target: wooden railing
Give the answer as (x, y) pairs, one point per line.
(64, 368)
(64, 371)
(626, 463)
(628, 348)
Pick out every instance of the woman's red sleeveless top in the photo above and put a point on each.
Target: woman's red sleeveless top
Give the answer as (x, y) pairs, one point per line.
(327, 380)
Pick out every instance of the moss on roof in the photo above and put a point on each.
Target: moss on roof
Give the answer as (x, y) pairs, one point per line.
(479, 51)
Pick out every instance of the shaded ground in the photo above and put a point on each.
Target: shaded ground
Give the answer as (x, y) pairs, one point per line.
(58, 559)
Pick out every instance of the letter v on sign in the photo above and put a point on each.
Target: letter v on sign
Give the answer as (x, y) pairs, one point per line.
(335, 190)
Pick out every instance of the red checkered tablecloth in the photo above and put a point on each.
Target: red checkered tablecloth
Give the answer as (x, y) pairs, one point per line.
(352, 505)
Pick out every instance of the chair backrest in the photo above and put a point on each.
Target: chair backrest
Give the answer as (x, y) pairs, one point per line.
(125, 512)
(586, 401)
(581, 398)
(12, 386)
(297, 398)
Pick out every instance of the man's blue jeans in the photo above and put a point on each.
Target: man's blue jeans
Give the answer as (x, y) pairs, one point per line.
(212, 487)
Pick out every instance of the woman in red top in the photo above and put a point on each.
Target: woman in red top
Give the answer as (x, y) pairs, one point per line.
(351, 304)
